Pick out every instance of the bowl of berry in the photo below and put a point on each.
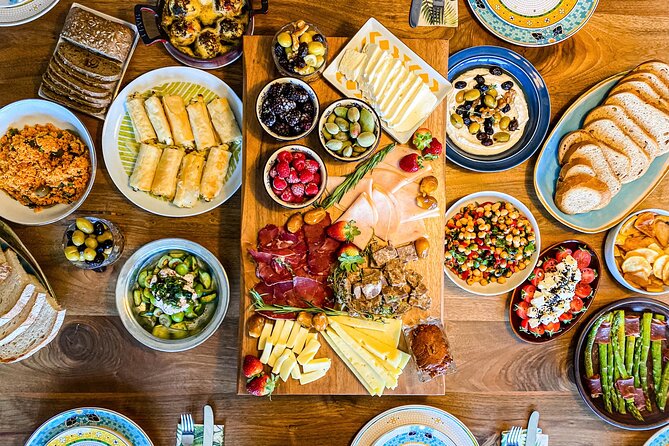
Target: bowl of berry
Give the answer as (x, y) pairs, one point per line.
(287, 108)
(300, 50)
(295, 176)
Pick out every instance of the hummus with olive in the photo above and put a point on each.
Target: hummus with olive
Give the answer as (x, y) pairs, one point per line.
(482, 123)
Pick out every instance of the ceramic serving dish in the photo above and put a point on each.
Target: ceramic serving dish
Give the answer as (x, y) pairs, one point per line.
(517, 295)
(633, 304)
(287, 80)
(18, 12)
(547, 169)
(347, 103)
(267, 179)
(532, 85)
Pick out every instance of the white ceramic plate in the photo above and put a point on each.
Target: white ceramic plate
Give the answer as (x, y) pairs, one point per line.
(373, 31)
(18, 12)
(392, 428)
(118, 140)
(493, 289)
(38, 111)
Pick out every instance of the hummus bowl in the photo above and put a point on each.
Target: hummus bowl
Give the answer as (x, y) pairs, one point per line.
(529, 112)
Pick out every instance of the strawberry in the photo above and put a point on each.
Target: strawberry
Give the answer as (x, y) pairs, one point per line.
(297, 189)
(348, 249)
(282, 169)
(285, 156)
(262, 385)
(279, 184)
(422, 138)
(292, 176)
(252, 366)
(312, 166)
(349, 257)
(433, 150)
(287, 195)
(411, 163)
(343, 231)
(311, 189)
(299, 156)
(306, 176)
(298, 165)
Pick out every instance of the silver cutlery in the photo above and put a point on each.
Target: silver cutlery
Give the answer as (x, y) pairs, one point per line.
(514, 435)
(187, 429)
(532, 427)
(208, 435)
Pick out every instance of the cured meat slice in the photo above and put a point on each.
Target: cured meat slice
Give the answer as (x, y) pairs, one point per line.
(309, 290)
(363, 212)
(387, 210)
(321, 248)
(658, 330)
(603, 335)
(364, 185)
(270, 268)
(594, 385)
(394, 179)
(639, 399)
(632, 325)
(408, 232)
(626, 387)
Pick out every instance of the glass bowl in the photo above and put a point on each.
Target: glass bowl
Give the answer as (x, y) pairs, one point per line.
(112, 256)
(329, 111)
(311, 31)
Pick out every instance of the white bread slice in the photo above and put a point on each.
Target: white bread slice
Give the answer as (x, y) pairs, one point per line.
(580, 194)
(12, 287)
(609, 133)
(644, 90)
(660, 69)
(5, 269)
(576, 166)
(619, 162)
(39, 334)
(653, 120)
(593, 153)
(20, 323)
(570, 140)
(617, 114)
(656, 83)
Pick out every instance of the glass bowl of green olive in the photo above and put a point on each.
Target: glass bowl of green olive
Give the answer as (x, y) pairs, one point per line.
(92, 243)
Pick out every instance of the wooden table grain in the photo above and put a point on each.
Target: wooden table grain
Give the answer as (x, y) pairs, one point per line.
(95, 362)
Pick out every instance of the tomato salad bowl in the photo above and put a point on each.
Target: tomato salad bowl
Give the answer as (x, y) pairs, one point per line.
(557, 294)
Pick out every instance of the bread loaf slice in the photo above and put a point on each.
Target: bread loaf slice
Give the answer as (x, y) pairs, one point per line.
(57, 65)
(651, 79)
(632, 129)
(20, 323)
(580, 194)
(88, 63)
(619, 162)
(609, 133)
(644, 90)
(12, 287)
(86, 91)
(47, 92)
(576, 166)
(653, 120)
(660, 69)
(595, 157)
(72, 93)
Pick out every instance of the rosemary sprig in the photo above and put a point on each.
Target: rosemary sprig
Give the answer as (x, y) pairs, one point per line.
(259, 305)
(354, 177)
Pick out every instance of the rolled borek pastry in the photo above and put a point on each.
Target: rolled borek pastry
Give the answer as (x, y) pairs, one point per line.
(215, 171)
(188, 183)
(224, 120)
(156, 113)
(140, 120)
(175, 109)
(200, 123)
(145, 167)
(165, 180)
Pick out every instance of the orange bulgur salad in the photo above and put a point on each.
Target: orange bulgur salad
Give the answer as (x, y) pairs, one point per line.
(43, 165)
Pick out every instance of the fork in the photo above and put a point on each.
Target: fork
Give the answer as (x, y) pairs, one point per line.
(187, 429)
(513, 439)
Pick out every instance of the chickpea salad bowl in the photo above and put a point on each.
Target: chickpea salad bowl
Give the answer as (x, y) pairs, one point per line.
(492, 243)
(172, 294)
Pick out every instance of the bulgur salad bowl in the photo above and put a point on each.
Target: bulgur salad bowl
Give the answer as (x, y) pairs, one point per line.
(47, 162)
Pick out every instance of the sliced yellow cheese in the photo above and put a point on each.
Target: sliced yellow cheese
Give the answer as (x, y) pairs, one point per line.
(311, 337)
(404, 361)
(295, 373)
(309, 352)
(287, 367)
(264, 335)
(300, 341)
(285, 332)
(317, 364)
(293, 335)
(358, 323)
(266, 352)
(276, 331)
(307, 378)
(377, 348)
(278, 351)
(276, 368)
(391, 333)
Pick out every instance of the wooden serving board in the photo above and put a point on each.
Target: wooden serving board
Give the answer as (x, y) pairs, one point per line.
(258, 210)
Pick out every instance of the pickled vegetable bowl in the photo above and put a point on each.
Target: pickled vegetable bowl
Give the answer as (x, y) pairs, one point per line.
(488, 242)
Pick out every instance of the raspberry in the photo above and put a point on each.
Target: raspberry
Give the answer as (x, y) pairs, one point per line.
(285, 156)
(299, 156)
(282, 169)
(312, 166)
(297, 189)
(287, 195)
(292, 177)
(272, 172)
(298, 165)
(316, 179)
(298, 200)
(306, 177)
(311, 189)
(279, 184)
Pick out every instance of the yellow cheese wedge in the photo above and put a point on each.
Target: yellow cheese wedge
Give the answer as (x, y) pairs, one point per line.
(295, 373)
(378, 349)
(358, 323)
(300, 341)
(285, 332)
(390, 333)
(293, 335)
(276, 368)
(278, 351)
(306, 378)
(404, 361)
(276, 331)
(317, 364)
(264, 335)
(267, 351)
(311, 337)
(309, 352)
(287, 367)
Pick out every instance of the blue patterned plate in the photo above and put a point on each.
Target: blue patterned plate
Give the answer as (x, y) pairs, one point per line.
(538, 104)
(533, 22)
(661, 438)
(414, 435)
(113, 429)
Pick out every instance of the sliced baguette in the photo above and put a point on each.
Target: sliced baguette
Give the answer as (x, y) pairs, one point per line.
(580, 194)
(88, 63)
(576, 166)
(609, 133)
(595, 157)
(619, 162)
(86, 91)
(644, 90)
(10, 291)
(26, 318)
(653, 120)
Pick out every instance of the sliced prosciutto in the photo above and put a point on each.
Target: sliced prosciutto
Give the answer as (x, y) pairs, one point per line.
(603, 335)
(632, 325)
(626, 387)
(321, 248)
(595, 386)
(658, 330)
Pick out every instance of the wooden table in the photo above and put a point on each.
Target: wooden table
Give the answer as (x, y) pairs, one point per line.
(95, 362)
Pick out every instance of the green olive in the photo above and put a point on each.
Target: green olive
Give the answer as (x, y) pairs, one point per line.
(177, 317)
(199, 289)
(331, 128)
(353, 114)
(105, 236)
(340, 112)
(497, 116)
(492, 92)
(472, 95)
(165, 320)
(84, 225)
(460, 97)
(91, 242)
(347, 151)
(284, 39)
(457, 121)
(89, 254)
(161, 331)
(504, 123)
(182, 269)
(72, 253)
(316, 48)
(474, 128)
(501, 137)
(78, 238)
(489, 101)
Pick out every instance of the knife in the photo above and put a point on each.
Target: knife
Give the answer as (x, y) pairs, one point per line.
(531, 439)
(208, 436)
(414, 14)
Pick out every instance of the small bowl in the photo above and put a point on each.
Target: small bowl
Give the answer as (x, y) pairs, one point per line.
(494, 289)
(609, 256)
(307, 151)
(305, 77)
(515, 320)
(287, 80)
(150, 253)
(117, 248)
(347, 103)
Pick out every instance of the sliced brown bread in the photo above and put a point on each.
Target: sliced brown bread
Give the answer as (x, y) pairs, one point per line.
(87, 91)
(618, 115)
(580, 194)
(60, 68)
(88, 63)
(11, 289)
(576, 166)
(619, 162)
(653, 120)
(644, 90)
(62, 88)
(593, 153)
(20, 323)
(47, 92)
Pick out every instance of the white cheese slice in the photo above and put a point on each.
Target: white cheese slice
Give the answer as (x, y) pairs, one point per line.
(300, 341)
(287, 367)
(351, 64)
(317, 364)
(416, 109)
(264, 335)
(393, 179)
(285, 332)
(388, 213)
(307, 378)
(276, 368)
(293, 335)
(408, 232)
(404, 97)
(295, 372)
(390, 69)
(401, 81)
(364, 185)
(374, 56)
(276, 331)
(309, 352)
(278, 351)
(408, 209)
(363, 212)
(266, 353)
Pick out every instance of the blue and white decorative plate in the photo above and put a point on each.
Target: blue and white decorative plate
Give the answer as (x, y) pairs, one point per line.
(414, 425)
(95, 427)
(661, 438)
(533, 22)
(536, 94)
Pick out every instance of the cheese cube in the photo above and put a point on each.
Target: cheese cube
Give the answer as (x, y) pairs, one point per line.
(285, 332)
(287, 367)
(293, 335)
(317, 364)
(311, 337)
(278, 351)
(267, 351)
(276, 331)
(300, 341)
(295, 373)
(264, 335)
(276, 368)
(309, 352)
(312, 376)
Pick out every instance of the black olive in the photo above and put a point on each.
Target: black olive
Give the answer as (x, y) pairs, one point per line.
(99, 249)
(467, 105)
(81, 247)
(487, 142)
(99, 258)
(479, 79)
(466, 120)
(460, 85)
(507, 85)
(513, 125)
(481, 136)
(482, 88)
(107, 244)
(506, 108)
(303, 50)
(318, 38)
(460, 110)
(495, 71)
(489, 130)
(478, 108)
(98, 228)
(69, 234)
(299, 62)
(488, 122)
(278, 50)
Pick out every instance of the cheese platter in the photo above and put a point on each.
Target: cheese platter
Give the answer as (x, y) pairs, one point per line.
(304, 322)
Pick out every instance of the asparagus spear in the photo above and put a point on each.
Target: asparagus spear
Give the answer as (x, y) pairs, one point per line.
(664, 388)
(621, 336)
(643, 360)
(611, 375)
(618, 334)
(617, 360)
(629, 354)
(591, 342)
(656, 353)
(636, 362)
(604, 374)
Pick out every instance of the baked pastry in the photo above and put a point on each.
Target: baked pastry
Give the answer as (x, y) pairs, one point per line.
(230, 29)
(183, 9)
(430, 349)
(96, 33)
(208, 44)
(184, 31)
